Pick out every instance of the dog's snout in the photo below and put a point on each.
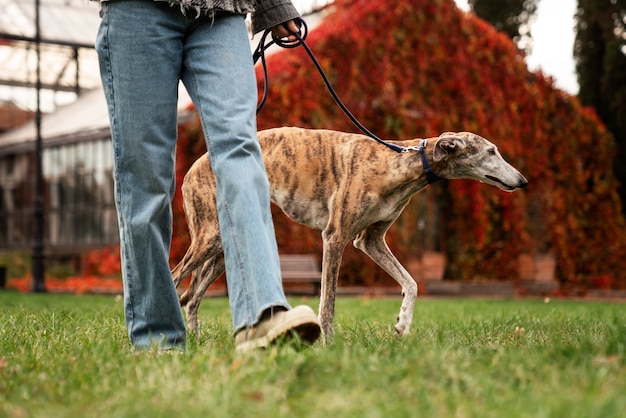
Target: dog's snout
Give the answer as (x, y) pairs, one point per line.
(523, 182)
(511, 184)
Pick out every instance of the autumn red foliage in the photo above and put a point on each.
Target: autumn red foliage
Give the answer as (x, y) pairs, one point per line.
(78, 284)
(416, 68)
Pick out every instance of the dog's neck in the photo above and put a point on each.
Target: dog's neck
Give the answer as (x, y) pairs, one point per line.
(427, 169)
(431, 176)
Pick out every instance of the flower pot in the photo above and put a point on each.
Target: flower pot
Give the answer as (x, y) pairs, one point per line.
(537, 267)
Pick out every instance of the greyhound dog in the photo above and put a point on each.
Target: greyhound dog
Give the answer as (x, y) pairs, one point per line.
(345, 185)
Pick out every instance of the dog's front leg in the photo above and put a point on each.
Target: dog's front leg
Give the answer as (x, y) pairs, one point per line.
(405, 317)
(372, 242)
(331, 260)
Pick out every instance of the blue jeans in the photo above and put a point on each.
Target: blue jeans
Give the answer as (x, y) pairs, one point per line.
(145, 48)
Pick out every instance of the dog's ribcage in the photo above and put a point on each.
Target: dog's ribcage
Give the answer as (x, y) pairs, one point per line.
(333, 176)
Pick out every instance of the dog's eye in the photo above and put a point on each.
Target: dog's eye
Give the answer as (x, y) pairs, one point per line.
(491, 151)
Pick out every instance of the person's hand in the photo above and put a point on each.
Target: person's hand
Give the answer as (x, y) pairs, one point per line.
(286, 30)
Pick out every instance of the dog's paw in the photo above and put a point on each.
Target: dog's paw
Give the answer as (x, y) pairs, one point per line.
(402, 327)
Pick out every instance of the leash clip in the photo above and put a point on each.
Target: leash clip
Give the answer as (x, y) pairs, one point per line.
(406, 150)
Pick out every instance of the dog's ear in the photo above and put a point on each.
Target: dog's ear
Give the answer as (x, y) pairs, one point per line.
(448, 143)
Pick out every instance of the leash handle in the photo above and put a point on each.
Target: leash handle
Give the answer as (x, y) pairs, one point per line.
(259, 53)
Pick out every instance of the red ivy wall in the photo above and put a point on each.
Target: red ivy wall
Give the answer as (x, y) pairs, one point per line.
(416, 68)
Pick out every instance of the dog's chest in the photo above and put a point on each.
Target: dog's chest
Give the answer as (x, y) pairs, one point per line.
(310, 212)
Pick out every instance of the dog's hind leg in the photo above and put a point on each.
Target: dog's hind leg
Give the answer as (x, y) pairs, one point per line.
(372, 242)
(210, 271)
(193, 259)
(194, 281)
(200, 207)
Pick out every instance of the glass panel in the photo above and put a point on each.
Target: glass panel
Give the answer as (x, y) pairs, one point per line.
(79, 197)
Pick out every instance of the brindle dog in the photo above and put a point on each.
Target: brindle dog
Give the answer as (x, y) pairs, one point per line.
(346, 185)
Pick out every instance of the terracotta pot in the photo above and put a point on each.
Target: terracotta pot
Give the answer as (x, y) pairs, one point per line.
(537, 267)
(431, 266)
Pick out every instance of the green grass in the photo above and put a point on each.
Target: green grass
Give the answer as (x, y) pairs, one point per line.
(68, 356)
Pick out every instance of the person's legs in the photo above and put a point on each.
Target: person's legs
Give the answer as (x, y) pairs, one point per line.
(139, 45)
(219, 76)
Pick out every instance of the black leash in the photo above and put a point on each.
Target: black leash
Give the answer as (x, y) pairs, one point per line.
(259, 53)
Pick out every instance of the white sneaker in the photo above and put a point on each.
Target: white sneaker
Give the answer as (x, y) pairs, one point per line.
(300, 323)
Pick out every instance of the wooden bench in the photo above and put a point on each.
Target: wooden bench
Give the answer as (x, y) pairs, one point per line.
(301, 269)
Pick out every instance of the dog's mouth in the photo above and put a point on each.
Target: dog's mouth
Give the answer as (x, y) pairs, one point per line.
(504, 185)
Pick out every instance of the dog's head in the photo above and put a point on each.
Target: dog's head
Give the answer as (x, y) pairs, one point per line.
(470, 156)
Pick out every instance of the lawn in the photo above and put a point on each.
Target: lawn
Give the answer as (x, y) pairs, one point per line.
(68, 356)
